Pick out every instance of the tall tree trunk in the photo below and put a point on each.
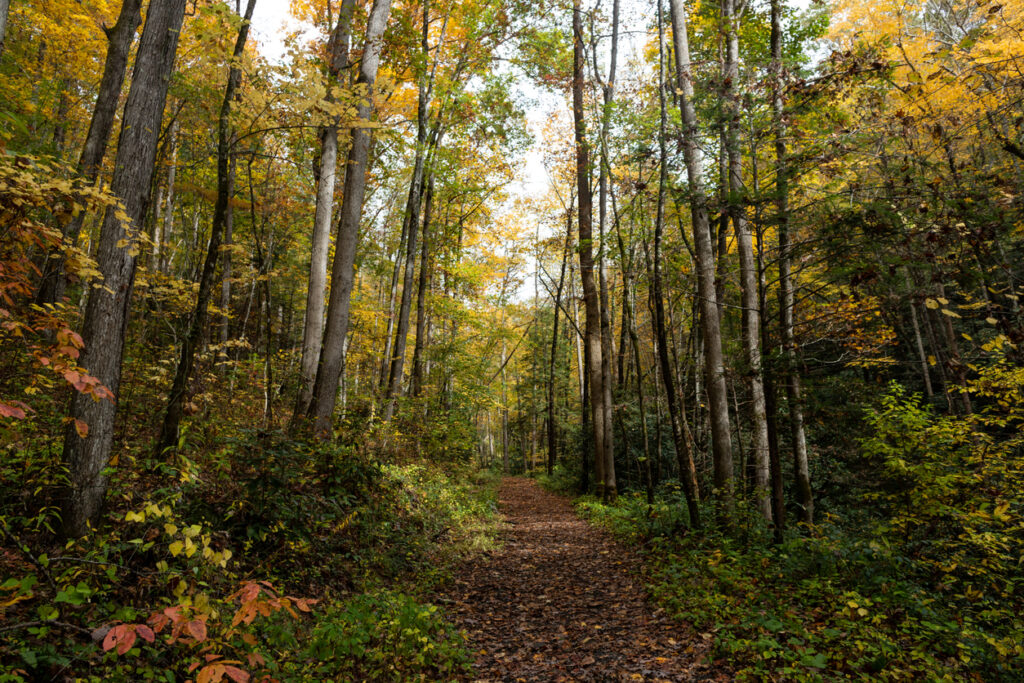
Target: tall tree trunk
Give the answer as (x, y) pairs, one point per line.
(225, 283)
(552, 423)
(680, 435)
(168, 438)
(106, 315)
(313, 327)
(421, 295)
(805, 497)
(713, 363)
(332, 354)
(591, 297)
(412, 216)
(119, 43)
(748, 266)
(607, 351)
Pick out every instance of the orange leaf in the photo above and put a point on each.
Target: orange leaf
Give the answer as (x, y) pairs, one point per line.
(236, 674)
(82, 428)
(198, 630)
(145, 632)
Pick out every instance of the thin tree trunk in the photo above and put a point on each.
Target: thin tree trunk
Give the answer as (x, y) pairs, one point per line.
(714, 367)
(342, 272)
(552, 423)
(225, 285)
(748, 266)
(412, 214)
(313, 326)
(168, 438)
(684, 455)
(119, 43)
(165, 228)
(805, 497)
(421, 295)
(106, 316)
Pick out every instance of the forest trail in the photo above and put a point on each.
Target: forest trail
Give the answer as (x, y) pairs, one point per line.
(560, 602)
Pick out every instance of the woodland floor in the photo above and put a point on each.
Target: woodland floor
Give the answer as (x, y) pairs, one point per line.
(562, 601)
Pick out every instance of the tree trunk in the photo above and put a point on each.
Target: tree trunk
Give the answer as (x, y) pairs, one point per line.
(748, 267)
(342, 272)
(552, 423)
(4, 6)
(106, 316)
(684, 454)
(412, 217)
(164, 226)
(607, 351)
(313, 327)
(805, 496)
(591, 296)
(718, 399)
(421, 294)
(168, 438)
(225, 284)
(119, 43)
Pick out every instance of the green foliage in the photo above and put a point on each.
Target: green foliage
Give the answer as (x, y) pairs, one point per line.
(926, 588)
(382, 636)
(163, 584)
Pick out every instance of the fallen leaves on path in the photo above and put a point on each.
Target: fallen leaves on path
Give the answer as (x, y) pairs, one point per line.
(560, 602)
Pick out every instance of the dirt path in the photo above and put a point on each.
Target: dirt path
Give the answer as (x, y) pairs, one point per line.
(560, 602)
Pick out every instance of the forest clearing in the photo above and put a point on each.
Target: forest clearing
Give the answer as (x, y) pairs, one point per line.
(511, 340)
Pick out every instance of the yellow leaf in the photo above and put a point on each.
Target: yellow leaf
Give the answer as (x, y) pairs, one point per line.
(176, 548)
(931, 303)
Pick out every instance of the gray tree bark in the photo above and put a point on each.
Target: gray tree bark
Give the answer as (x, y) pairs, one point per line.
(316, 296)
(421, 293)
(677, 418)
(4, 7)
(106, 314)
(591, 296)
(748, 265)
(332, 354)
(718, 399)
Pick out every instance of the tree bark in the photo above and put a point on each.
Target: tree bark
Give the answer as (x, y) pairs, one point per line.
(421, 293)
(552, 423)
(591, 296)
(748, 266)
(680, 435)
(174, 413)
(313, 326)
(119, 43)
(714, 366)
(4, 7)
(106, 316)
(805, 497)
(412, 217)
(343, 270)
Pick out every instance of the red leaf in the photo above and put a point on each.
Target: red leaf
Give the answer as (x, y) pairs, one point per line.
(145, 632)
(82, 428)
(236, 674)
(198, 630)
(8, 410)
(122, 637)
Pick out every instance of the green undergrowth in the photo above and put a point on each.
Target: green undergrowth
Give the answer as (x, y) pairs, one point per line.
(265, 557)
(923, 579)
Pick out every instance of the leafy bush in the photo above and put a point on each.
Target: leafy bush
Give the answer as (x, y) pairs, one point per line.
(382, 636)
(926, 587)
